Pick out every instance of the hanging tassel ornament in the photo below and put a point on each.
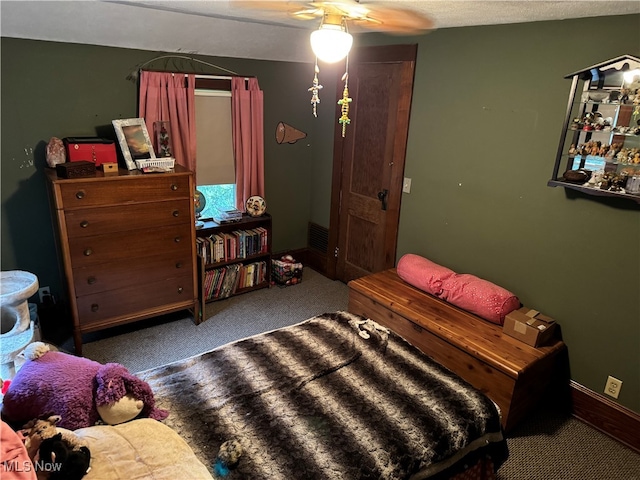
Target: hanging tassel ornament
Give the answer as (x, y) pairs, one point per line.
(344, 102)
(315, 90)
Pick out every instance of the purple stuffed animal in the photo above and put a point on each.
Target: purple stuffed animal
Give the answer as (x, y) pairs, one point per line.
(78, 389)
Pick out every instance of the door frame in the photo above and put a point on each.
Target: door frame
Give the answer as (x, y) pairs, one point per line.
(382, 53)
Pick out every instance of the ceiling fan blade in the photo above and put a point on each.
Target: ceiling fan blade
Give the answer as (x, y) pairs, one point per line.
(395, 20)
(381, 17)
(302, 10)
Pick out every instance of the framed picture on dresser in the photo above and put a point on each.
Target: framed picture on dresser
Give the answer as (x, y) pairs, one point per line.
(134, 140)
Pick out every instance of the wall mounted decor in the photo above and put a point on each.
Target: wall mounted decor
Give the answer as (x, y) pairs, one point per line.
(599, 149)
(287, 134)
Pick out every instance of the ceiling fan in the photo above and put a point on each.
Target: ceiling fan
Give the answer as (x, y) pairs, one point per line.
(332, 41)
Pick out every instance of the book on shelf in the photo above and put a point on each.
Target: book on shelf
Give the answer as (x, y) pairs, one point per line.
(227, 216)
(239, 244)
(225, 281)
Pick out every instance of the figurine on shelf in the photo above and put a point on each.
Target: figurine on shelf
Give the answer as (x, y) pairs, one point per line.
(573, 151)
(624, 95)
(596, 178)
(584, 149)
(603, 150)
(576, 124)
(605, 182)
(611, 153)
(636, 103)
(623, 156)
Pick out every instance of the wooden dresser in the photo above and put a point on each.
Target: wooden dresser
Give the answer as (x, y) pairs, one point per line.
(513, 374)
(127, 245)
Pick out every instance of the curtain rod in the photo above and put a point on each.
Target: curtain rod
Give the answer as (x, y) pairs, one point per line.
(216, 77)
(134, 75)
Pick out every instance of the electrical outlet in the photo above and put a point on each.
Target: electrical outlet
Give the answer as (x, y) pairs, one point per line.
(406, 185)
(613, 386)
(42, 292)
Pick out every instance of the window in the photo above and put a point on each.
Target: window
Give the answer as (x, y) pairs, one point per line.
(215, 166)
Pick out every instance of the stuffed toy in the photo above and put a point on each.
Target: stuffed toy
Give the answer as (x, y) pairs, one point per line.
(73, 464)
(81, 391)
(45, 443)
(228, 457)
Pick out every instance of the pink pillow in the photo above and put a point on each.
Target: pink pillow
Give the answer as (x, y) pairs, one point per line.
(423, 273)
(478, 296)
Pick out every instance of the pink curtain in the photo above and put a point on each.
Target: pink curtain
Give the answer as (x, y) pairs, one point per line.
(248, 138)
(164, 96)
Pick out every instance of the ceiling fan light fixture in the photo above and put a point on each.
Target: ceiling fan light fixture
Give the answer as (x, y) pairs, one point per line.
(331, 43)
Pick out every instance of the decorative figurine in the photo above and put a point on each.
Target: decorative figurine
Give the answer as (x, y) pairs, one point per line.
(344, 101)
(315, 90)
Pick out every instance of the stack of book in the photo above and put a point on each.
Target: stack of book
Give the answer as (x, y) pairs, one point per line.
(225, 281)
(239, 244)
(227, 216)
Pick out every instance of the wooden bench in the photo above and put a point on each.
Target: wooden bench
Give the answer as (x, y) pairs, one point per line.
(513, 374)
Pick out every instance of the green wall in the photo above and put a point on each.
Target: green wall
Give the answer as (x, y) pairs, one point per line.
(55, 89)
(487, 112)
(486, 116)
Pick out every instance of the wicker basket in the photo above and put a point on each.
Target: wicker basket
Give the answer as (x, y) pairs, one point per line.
(286, 273)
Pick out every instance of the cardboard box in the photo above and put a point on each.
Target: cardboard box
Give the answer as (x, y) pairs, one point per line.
(529, 326)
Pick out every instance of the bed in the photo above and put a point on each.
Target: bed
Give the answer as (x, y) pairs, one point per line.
(335, 397)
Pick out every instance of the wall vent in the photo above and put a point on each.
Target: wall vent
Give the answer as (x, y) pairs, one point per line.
(318, 237)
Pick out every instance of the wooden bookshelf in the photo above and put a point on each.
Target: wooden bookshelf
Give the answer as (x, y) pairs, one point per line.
(234, 258)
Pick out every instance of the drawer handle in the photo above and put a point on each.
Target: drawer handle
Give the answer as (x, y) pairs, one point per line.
(180, 289)
(176, 213)
(95, 307)
(174, 187)
(91, 280)
(88, 252)
(177, 239)
(80, 195)
(84, 224)
(179, 265)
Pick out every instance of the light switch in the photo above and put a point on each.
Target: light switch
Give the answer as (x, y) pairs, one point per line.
(406, 185)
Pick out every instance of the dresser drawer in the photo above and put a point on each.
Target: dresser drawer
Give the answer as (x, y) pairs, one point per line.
(124, 246)
(128, 301)
(123, 190)
(102, 220)
(135, 271)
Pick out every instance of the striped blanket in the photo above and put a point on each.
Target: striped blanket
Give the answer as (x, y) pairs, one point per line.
(334, 397)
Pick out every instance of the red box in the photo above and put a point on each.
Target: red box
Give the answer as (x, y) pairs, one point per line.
(91, 149)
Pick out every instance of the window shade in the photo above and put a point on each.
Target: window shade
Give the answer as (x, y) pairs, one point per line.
(214, 144)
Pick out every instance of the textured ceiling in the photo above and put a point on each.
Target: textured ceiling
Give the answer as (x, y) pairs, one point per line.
(220, 28)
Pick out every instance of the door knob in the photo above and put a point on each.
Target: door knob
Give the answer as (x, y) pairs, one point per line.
(382, 196)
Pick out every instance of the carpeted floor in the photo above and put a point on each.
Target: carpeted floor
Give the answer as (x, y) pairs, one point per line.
(549, 445)
(159, 341)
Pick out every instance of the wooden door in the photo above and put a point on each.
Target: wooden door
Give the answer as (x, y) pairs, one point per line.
(368, 164)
